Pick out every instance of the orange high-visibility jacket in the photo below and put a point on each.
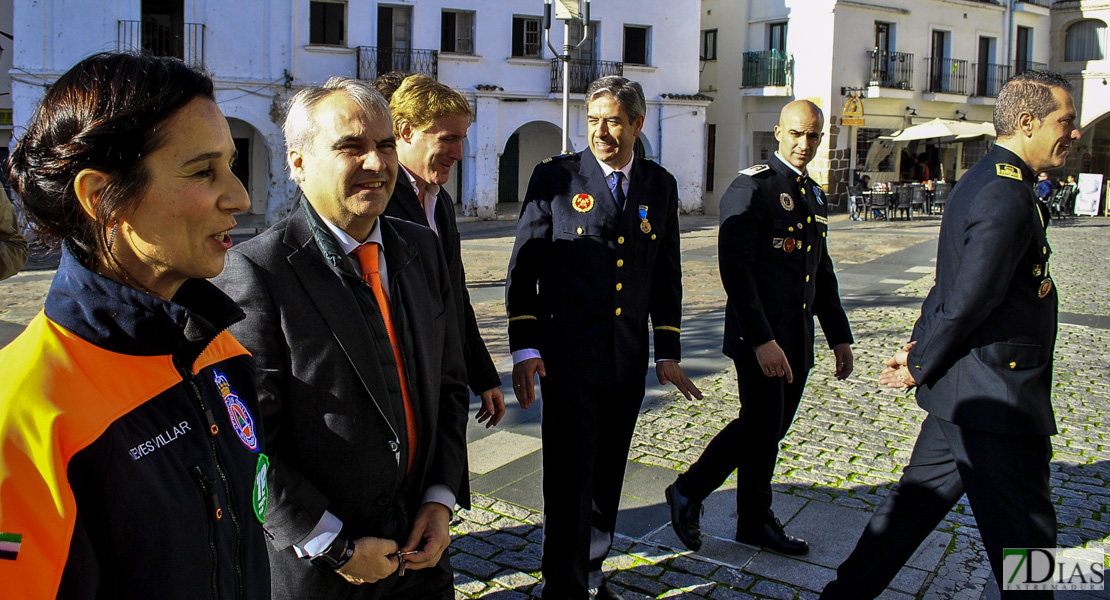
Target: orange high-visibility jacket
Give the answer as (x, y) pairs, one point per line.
(130, 448)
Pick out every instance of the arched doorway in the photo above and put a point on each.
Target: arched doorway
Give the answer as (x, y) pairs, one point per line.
(525, 148)
(252, 163)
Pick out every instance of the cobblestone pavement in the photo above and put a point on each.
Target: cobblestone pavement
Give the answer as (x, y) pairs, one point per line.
(847, 446)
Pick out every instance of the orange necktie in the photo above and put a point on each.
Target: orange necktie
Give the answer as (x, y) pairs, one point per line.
(367, 255)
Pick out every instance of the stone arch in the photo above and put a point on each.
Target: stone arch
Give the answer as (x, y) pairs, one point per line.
(252, 166)
(522, 150)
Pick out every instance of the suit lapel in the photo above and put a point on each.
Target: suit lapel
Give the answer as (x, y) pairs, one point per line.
(338, 307)
(406, 200)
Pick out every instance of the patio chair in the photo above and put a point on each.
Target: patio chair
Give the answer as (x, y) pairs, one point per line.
(904, 202)
(918, 202)
(940, 196)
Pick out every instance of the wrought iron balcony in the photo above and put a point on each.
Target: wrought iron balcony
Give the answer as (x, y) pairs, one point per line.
(891, 69)
(151, 37)
(1022, 65)
(989, 79)
(947, 76)
(582, 73)
(374, 61)
(767, 68)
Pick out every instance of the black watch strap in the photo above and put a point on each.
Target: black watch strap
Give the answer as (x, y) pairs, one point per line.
(336, 554)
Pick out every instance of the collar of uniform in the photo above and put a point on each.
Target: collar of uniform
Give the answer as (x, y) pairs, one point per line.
(347, 243)
(786, 169)
(796, 172)
(626, 169)
(1002, 154)
(433, 188)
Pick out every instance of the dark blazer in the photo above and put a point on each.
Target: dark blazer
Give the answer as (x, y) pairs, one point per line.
(775, 264)
(335, 426)
(987, 329)
(481, 373)
(584, 277)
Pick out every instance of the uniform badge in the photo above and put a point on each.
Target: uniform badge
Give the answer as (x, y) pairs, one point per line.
(756, 170)
(583, 203)
(1037, 270)
(237, 412)
(644, 225)
(1008, 171)
(817, 194)
(1046, 287)
(260, 496)
(786, 201)
(822, 220)
(788, 244)
(776, 243)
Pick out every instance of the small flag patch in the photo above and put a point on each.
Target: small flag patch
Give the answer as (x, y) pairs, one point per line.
(9, 545)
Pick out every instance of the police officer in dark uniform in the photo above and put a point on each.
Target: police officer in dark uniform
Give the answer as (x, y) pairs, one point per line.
(778, 275)
(980, 356)
(596, 254)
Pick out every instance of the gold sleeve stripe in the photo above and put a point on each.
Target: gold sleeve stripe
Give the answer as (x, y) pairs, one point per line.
(523, 318)
(668, 328)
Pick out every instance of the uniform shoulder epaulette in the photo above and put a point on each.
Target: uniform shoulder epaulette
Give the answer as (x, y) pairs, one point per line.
(562, 156)
(651, 162)
(756, 170)
(1007, 170)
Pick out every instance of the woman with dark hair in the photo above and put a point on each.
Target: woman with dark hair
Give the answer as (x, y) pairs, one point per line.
(130, 459)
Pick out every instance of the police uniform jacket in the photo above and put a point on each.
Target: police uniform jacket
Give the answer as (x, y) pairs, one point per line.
(987, 329)
(584, 277)
(131, 451)
(775, 264)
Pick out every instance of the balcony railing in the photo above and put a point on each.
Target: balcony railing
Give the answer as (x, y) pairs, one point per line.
(891, 69)
(1044, 3)
(989, 79)
(1022, 65)
(151, 37)
(374, 61)
(767, 68)
(947, 76)
(582, 73)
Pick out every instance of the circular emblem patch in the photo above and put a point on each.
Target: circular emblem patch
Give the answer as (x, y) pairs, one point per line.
(237, 412)
(583, 203)
(1046, 287)
(788, 244)
(786, 201)
(645, 226)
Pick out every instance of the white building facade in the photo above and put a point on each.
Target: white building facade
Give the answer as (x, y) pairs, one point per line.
(909, 61)
(260, 52)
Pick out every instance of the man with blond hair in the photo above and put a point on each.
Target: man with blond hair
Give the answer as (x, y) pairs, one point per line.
(430, 122)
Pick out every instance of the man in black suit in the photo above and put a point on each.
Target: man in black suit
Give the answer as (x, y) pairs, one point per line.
(980, 356)
(361, 377)
(777, 273)
(596, 254)
(430, 121)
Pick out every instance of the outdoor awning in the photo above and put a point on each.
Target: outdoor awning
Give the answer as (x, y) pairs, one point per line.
(945, 130)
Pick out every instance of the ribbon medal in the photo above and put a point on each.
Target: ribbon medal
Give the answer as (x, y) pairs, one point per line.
(583, 203)
(817, 194)
(644, 225)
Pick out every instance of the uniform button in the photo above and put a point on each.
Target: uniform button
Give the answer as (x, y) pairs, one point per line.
(803, 305)
(653, 236)
(393, 446)
(620, 240)
(808, 248)
(809, 219)
(620, 262)
(800, 226)
(1013, 365)
(807, 278)
(579, 231)
(824, 234)
(619, 286)
(790, 229)
(1044, 250)
(618, 312)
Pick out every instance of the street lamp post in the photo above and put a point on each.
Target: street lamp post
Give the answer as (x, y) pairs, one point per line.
(566, 11)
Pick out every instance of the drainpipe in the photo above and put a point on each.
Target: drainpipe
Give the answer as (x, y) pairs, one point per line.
(1009, 20)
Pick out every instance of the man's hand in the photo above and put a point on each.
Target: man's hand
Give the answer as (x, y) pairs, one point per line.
(897, 373)
(371, 562)
(773, 361)
(430, 536)
(493, 407)
(670, 370)
(844, 360)
(524, 380)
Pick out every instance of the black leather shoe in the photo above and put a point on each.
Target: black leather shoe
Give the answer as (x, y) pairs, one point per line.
(685, 517)
(604, 592)
(772, 535)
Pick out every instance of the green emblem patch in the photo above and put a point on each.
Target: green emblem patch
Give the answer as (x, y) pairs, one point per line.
(260, 498)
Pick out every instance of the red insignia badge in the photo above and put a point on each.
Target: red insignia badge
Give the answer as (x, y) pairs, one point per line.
(788, 244)
(583, 203)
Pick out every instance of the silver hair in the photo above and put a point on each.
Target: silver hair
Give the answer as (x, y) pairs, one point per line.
(626, 92)
(300, 126)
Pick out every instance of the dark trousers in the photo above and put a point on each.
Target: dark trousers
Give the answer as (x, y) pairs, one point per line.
(1006, 478)
(586, 432)
(749, 444)
(293, 578)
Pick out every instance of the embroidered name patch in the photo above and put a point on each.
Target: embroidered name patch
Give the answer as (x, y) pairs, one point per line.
(241, 419)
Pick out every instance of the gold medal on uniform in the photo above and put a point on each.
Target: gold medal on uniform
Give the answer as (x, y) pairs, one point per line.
(644, 225)
(583, 203)
(1037, 270)
(1046, 287)
(788, 244)
(787, 201)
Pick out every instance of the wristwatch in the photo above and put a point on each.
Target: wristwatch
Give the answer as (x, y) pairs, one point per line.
(336, 554)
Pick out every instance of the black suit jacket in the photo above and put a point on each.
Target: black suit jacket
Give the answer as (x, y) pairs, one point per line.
(335, 432)
(986, 334)
(481, 373)
(584, 277)
(775, 264)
